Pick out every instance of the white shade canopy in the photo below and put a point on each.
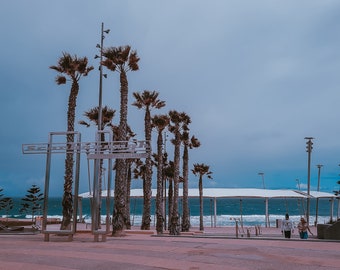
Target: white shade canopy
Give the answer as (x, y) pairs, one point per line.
(231, 193)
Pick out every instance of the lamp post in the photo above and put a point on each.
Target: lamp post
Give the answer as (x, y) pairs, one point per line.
(262, 175)
(309, 148)
(319, 166)
(97, 172)
(101, 75)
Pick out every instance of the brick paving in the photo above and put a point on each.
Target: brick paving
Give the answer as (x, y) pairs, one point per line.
(216, 248)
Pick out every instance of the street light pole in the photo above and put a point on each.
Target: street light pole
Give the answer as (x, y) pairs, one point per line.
(97, 172)
(317, 199)
(101, 75)
(262, 175)
(309, 148)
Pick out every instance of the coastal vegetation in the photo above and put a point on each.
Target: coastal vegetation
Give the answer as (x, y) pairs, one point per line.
(32, 201)
(6, 203)
(121, 60)
(179, 123)
(74, 68)
(200, 170)
(147, 100)
(188, 143)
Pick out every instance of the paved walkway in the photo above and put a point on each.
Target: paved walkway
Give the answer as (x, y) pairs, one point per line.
(211, 250)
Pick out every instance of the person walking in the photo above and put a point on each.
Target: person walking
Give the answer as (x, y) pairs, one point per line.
(304, 229)
(287, 227)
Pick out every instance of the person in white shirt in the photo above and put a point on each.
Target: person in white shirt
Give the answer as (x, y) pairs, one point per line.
(287, 227)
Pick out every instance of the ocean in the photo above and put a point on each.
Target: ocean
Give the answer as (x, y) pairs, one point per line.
(249, 212)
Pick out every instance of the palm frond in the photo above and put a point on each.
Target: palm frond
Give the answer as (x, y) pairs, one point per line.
(82, 122)
(60, 79)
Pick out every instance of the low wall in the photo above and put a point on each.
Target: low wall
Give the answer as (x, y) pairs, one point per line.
(329, 231)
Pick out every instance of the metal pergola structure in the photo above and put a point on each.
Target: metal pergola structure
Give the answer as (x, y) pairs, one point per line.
(98, 150)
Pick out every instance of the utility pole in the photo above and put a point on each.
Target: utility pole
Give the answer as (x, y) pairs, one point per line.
(309, 149)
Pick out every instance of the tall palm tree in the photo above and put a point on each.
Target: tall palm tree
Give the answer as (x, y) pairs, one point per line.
(178, 123)
(168, 174)
(147, 100)
(160, 122)
(129, 162)
(93, 116)
(193, 142)
(200, 170)
(74, 68)
(121, 59)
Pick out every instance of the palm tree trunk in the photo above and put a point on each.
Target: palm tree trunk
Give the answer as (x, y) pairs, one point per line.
(146, 220)
(159, 196)
(200, 187)
(67, 201)
(119, 212)
(186, 219)
(174, 222)
(128, 187)
(170, 201)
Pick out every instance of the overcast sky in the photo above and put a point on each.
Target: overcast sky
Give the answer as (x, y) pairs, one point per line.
(256, 78)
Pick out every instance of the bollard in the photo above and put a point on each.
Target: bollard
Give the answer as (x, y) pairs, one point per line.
(236, 229)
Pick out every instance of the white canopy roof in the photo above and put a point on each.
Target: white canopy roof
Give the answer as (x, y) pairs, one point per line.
(231, 193)
(245, 193)
(318, 194)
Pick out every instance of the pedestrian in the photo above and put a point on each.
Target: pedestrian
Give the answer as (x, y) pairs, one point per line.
(287, 227)
(304, 229)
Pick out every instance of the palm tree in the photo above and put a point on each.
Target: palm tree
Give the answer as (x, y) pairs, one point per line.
(147, 100)
(193, 142)
(129, 162)
(121, 59)
(74, 68)
(168, 174)
(93, 116)
(160, 122)
(200, 170)
(178, 123)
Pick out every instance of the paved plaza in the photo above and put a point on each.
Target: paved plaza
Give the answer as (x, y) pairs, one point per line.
(145, 250)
